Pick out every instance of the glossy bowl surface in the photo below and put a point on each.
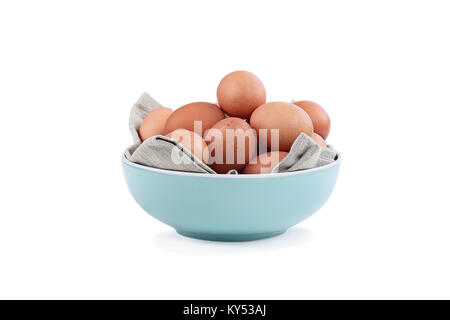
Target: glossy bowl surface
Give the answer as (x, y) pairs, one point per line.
(230, 207)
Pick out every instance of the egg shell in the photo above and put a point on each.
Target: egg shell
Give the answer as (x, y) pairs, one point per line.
(265, 162)
(318, 139)
(290, 119)
(244, 142)
(318, 115)
(239, 93)
(192, 141)
(154, 123)
(184, 117)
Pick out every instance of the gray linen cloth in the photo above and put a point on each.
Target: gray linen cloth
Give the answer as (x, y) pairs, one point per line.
(305, 154)
(157, 151)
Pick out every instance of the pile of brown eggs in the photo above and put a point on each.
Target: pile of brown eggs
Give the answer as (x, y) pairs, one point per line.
(242, 108)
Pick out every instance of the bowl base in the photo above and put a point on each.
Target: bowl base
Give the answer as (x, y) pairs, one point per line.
(229, 237)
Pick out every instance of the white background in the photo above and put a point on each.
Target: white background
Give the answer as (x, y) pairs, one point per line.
(70, 71)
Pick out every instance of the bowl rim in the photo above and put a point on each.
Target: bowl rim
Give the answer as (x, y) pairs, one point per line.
(231, 176)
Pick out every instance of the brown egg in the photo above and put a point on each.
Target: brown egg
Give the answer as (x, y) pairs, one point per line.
(318, 115)
(153, 124)
(192, 141)
(318, 139)
(184, 117)
(224, 113)
(287, 117)
(239, 93)
(232, 143)
(265, 162)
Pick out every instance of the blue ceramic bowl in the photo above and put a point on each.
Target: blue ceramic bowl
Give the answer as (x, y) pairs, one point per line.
(230, 207)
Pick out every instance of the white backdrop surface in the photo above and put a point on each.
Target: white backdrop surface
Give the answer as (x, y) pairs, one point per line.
(70, 71)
